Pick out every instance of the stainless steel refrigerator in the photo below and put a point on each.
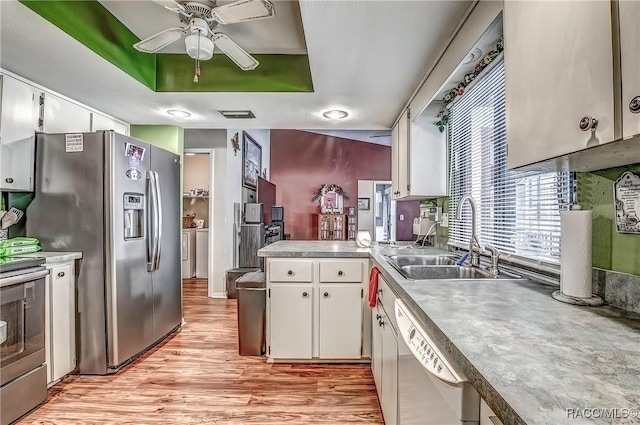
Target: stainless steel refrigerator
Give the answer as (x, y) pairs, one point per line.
(116, 199)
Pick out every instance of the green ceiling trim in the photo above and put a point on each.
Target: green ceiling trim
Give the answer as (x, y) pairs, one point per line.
(93, 25)
(276, 73)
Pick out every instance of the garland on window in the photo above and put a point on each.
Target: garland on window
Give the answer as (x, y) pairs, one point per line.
(322, 190)
(459, 89)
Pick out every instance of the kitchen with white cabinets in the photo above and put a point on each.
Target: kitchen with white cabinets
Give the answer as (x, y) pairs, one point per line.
(526, 109)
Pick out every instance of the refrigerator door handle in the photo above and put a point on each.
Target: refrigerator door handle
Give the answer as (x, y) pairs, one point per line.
(158, 221)
(152, 239)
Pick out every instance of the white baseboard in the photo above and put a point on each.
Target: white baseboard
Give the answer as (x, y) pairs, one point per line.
(222, 295)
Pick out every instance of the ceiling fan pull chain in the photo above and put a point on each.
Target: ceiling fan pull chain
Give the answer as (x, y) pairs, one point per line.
(196, 76)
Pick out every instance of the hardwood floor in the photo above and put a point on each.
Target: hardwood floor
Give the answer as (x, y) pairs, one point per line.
(197, 377)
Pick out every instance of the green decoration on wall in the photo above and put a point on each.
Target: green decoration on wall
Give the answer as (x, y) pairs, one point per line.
(93, 25)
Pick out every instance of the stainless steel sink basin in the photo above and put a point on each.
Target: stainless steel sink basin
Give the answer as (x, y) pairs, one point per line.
(439, 267)
(443, 272)
(421, 260)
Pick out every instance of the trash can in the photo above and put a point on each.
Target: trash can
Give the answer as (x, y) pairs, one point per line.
(251, 290)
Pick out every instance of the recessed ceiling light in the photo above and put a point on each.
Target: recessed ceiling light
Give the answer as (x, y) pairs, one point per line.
(335, 114)
(179, 113)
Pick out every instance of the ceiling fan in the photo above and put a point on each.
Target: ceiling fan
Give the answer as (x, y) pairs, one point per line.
(200, 19)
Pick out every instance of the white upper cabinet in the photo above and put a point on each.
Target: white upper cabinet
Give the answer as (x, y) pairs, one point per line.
(62, 116)
(18, 124)
(419, 153)
(630, 64)
(559, 78)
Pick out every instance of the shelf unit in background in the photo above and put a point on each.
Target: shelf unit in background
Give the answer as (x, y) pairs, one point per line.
(352, 224)
(331, 227)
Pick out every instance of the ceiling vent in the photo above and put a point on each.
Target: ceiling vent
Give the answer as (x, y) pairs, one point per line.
(237, 114)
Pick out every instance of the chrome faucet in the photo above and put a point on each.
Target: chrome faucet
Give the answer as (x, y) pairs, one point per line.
(495, 255)
(474, 256)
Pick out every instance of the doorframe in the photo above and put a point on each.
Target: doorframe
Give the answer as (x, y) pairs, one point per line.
(211, 237)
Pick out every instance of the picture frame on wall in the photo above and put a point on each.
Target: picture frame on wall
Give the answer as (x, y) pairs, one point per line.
(363, 204)
(252, 161)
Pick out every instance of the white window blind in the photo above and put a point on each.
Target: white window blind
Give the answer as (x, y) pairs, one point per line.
(517, 212)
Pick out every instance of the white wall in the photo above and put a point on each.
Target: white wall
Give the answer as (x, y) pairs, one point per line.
(366, 189)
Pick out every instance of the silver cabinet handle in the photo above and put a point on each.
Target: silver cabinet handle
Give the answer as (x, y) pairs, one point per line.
(61, 274)
(290, 272)
(9, 180)
(325, 295)
(634, 105)
(588, 123)
(305, 294)
(378, 317)
(340, 273)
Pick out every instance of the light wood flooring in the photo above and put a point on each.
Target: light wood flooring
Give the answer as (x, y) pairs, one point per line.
(197, 377)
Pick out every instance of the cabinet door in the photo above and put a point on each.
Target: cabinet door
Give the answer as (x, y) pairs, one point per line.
(389, 400)
(62, 116)
(63, 324)
(290, 321)
(395, 162)
(376, 348)
(18, 124)
(630, 58)
(559, 69)
(340, 330)
(404, 147)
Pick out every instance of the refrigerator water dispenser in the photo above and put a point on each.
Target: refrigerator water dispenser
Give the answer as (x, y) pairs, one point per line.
(133, 215)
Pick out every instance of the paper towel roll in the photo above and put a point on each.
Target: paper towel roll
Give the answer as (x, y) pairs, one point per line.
(575, 251)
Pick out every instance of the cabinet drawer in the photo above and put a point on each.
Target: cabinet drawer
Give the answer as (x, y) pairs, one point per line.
(387, 298)
(286, 271)
(341, 271)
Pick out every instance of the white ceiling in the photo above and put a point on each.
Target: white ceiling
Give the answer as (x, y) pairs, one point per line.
(366, 57)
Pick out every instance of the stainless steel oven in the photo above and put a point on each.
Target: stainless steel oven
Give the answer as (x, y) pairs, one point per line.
(23, 374)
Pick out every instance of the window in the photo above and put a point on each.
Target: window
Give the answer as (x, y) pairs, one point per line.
(517, 212)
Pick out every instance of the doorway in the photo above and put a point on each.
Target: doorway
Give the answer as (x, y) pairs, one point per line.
(197, 212)
(380, 218)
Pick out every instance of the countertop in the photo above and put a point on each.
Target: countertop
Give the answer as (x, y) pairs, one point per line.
(54, 257)
(530, 357)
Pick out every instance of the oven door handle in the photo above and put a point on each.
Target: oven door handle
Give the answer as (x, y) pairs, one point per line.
(27, 277)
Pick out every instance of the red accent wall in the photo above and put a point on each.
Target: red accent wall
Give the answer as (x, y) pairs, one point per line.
(301, 162)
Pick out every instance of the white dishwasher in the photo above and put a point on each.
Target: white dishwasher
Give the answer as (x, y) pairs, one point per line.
(430, 391)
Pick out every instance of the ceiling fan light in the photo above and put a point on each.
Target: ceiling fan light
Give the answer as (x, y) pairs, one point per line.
(206, 47)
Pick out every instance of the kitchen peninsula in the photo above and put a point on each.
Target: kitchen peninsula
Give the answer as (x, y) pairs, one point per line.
(533, 360)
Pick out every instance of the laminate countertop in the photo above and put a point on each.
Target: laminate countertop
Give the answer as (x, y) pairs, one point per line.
(54, 257)
(536, 361)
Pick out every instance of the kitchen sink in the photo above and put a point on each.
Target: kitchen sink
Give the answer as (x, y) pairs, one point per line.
(440, 267)
(421, 260)
(450, 273)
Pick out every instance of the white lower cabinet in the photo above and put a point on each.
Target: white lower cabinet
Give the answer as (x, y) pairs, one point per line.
(389, 392)
(384, 359)
(376, 347)
(60, 322)
(315, 309)
(340, 332)
(291, 321)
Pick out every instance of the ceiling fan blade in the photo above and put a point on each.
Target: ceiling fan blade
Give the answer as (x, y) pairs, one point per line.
(236, 53)
(171, 5)
(162, 39)
(243, 10)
